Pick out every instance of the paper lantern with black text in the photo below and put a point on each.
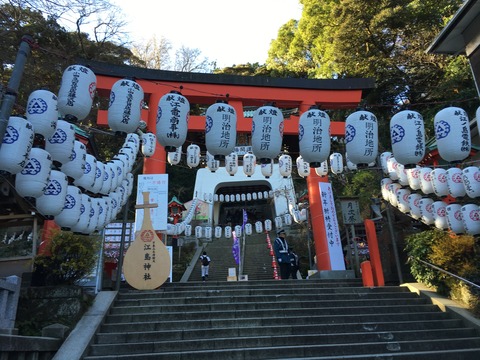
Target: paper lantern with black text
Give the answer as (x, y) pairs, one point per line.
(149, 143)
(76, 166)
(285, 165)
(455, 182)
(212, 163)
(322, 170)
(438, 177)
(267, 169)
(383, 161)
(440, 215)
(124, 109)
(471, 181)
(407, 134)
(427, 211)
(82, 225)
(452, 133)
(33, 179)
(303, 167)
(220, 129)
(336, 163)
(16, 145)
(267, 133)
(249, 164)
(231, 163)
(414, 204)
(454, 218)
(413, 176)
(52, 201)
(77, 90)
(174, 157)
(60, 144)
(361, 137)
(471, 219)
(70, 213)
(314, 136)
(172, 120)
(193, 155)
(425, 181)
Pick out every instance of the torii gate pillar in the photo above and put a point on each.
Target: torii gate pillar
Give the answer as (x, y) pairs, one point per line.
(316, 220)
(155, 164)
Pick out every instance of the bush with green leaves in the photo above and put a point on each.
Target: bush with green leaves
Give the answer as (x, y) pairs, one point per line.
(457, 254)
(68, 258)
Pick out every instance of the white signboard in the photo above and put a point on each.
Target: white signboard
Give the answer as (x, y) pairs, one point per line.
(334, 241)
(157, 186)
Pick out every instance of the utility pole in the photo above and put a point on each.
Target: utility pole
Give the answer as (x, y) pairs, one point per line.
(14, 83)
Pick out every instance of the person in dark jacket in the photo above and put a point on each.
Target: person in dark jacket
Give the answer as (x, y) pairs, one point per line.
(205, 265)
(280, 247)
(293, 263)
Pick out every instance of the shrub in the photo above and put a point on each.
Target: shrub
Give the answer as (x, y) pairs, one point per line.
(457, 254)
(71, 257)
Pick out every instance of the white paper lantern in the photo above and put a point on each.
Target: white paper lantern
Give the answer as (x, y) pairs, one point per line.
(425, 181)
(215, 197)
(16, 145)
(128, 155)
(285, 165)
(33, 179)
(258, 227)
(254, 196)
(414, 204)
(265, 195)
(227, 198)
(361, 136)
(228, 232)
(198, 231)
(248, 229)
(452, 132)
(76, 93)
(350, 166)
(384, 161)
(221, 197)
(303, 167)
(220, 129)
(322, 170)
(172, 120)
(94, 212)
(278, 222)
(99, 177)
(119, 169)
(75, 168)
(384, 185)
(268, 225)
(124, 109)
(193, 155)
(267, 133)
(438, 177)
(260, 195)
(133, 140)
(208, 232)
(471, 219)
(287, 218)
(70, 213)
(270, 194)
(402, 200)
(52, 201)
(174, 157)
(188, 230)
(336, 163)
(60, 144)
(440, 215)
(407, 133)
(82, 225)
(212, 164)
(413, 176)
(249, 196)
(218, 232)
(149, 144)
(231, 163)
(392, 196)
(267, 169)
(238, 230)
(249, 163)
(402, 174)
(237, 197)
(454, 218)
(426, 211)
(314, 136)
(471, 181)
(42, 112)
(108, 175)
(392, 166)
(455, 182)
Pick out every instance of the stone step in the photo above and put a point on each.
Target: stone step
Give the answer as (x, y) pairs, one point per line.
(159, 322)
(157, 345)
(150, 350)
(305, 296)
(280, 304)
(124, 334)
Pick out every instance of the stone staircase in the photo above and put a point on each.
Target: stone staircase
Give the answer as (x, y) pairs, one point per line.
(257, 260)
(288, 319)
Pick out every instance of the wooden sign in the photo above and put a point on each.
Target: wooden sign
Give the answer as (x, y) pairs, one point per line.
(147, 262)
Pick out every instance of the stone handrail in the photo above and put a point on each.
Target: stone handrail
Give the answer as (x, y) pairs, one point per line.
(9, 294)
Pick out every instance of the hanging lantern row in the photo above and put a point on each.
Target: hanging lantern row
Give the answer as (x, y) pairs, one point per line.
(439, 181)
(460, 219)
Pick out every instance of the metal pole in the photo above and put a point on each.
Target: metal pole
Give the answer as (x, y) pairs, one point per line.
(394, 243)
(14, 83)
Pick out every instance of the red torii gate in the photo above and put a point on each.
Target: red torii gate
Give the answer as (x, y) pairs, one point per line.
(242, 91)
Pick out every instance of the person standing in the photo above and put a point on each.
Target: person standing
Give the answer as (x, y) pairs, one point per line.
(294, 263)
(280, 247)
(205, 265)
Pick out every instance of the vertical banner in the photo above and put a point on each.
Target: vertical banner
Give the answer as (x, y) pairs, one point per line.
(331, 227)
(157, 186)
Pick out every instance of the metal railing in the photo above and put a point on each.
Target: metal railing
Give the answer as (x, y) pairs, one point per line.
(472, 284)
